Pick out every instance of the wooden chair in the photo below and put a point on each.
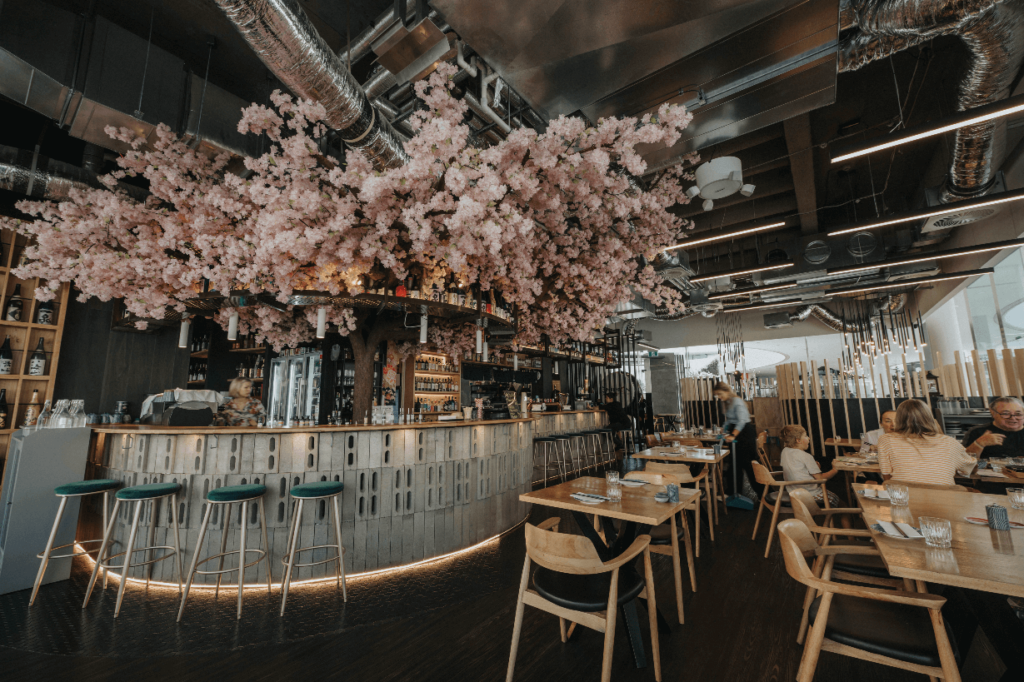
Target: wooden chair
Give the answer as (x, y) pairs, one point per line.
(566, 564)
(653, 440)
(686, 478)
(854, 620)
(665, 538)
(775, 500)
(762, 451)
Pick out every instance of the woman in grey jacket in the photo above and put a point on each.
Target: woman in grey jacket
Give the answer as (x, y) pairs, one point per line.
(739, 428)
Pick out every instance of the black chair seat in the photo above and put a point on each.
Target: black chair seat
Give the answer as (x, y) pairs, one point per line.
(861, 564)
(586, 592)
(545, 439)
(662, 535)
(894, 630)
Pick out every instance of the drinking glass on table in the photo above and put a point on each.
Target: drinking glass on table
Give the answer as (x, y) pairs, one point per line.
(937, 532)
(899, 494)
(1016, 496)
(612, 479)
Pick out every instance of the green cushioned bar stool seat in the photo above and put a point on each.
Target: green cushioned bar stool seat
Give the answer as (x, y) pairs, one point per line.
(317, 489)
(98, 485)
(228, 495)
(149, 491)
(236, 493)
(138, 496)
(308, 493)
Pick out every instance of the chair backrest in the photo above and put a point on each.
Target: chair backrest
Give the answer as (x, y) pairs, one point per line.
(762, 452)
(762, 474)
(653, 479)
(562, 552)
(690, 442)
(652, 441)
(804, 507)
(797, 544)
(681, 471)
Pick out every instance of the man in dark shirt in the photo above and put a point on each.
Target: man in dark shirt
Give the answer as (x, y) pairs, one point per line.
(1004, 436)
(617, 417)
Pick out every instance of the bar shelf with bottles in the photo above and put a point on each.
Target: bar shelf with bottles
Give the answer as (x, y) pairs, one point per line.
(436, 384)
(30, 336)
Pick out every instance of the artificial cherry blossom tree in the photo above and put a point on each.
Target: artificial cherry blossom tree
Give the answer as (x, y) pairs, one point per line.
(556, 222)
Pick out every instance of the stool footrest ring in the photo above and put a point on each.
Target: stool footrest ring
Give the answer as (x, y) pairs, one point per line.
(230, 570)
(71, 544)
(284, 559)
(171, 552)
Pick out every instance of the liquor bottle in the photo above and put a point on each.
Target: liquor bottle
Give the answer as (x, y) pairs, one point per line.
(6, 357)
(37, 361)
(401, 291)
(31, 411)
(14, 305)
(3, 408)
(44, 313)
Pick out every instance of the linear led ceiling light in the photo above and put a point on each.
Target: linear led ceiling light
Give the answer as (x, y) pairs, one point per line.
(914, 281)
(739, 273)
(987, 112)
(939, 255)
(753, 290)
(761, 306)
(723, 237)
(959, 207)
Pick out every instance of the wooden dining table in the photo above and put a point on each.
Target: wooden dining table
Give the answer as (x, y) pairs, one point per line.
(638, 510)
(980, 558)
(668, 454)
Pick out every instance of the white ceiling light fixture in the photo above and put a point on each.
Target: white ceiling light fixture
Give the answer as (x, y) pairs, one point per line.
(717, 179)
(727, 235)
(739, 273)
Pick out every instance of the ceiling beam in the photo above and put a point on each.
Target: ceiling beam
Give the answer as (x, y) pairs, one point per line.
(801, 159)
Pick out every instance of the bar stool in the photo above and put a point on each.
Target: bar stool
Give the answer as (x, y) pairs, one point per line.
(229, 495)
(592, 447)
(138, 494)
(607, 444)
(79, 489)
(310, 492)
(628, 441)
(563, 446)
(545, 447)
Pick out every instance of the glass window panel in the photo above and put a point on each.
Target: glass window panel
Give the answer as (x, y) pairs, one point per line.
(1009, 277)
(984, 322)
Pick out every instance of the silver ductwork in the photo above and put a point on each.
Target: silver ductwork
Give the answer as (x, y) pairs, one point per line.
(39, 177)
(993, 32)
(888, 304)
(280, 33)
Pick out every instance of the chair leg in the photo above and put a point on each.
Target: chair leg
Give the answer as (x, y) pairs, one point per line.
(950, 672)
(104, 547)
(711, 509)
(652, 611)
(128, 556)
(609, 628)
(771, 528)
(177, 537)
(696, 524)
(46, 552)
(225, 521)
(812, 649)
(677, 572)
(688, 546)
(721, 486)
(757, 521)
(195, 559)
(561, 629)
(266, 544)
(341, 550)
(241, 555)
(293, 538)
(517, 629)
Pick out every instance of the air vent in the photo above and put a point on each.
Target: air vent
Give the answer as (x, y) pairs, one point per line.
(700, 303)
(967, 217)
(861, 244)
(817, 252)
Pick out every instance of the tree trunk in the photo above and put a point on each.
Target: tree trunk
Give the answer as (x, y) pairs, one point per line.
(370, 331)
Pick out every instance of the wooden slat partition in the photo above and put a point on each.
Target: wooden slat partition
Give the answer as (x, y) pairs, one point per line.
(831, 395)
(805, 386)
(981, 380)
(844, 389)
(817, 405)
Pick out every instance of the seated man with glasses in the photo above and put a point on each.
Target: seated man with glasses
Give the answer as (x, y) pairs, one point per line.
(1004, 437)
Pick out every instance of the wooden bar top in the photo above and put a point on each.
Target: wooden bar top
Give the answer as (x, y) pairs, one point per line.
(218, 430)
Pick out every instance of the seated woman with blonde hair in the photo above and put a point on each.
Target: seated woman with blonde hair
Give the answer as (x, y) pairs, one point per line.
(799, 465)
(242, 409)
(916, 452)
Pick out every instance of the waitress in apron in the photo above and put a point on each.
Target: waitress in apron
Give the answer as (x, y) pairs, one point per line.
(739, 428)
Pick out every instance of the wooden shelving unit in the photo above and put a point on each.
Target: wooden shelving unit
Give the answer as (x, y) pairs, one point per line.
(435, 374)
(25, 335)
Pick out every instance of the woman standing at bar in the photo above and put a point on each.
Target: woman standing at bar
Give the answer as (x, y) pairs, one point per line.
(739, 428)
(242, 409)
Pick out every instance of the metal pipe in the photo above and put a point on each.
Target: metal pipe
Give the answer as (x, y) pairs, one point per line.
(285, 40)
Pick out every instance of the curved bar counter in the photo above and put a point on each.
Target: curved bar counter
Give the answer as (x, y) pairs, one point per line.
(412, 491)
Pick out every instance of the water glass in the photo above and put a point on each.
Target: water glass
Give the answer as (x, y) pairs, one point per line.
(1016, 496)
(937, 532)
(615, 493)
(612, 478)
(899, 494)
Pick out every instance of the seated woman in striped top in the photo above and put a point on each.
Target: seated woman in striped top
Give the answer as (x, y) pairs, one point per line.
(916, 452)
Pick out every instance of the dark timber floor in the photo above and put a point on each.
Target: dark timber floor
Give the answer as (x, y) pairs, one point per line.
(449, 621)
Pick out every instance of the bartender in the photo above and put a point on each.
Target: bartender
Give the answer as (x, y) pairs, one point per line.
(242, 409)
(1003, 436)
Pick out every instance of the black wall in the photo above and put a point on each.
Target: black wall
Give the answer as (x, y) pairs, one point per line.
(103, 366)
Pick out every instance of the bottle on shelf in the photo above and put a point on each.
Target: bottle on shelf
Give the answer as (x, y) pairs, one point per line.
(42, 421)
(6, 357)
(4, 421)
(12, 313)
(44, 313)
(37, 361)
(31, 411)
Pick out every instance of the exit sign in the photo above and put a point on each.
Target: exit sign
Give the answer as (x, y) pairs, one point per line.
(652, 353)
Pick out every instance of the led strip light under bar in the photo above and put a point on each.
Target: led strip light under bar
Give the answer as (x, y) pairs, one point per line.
(982, 114)
(723, 237)
(738, 273)
(958, 207)
(967, 251)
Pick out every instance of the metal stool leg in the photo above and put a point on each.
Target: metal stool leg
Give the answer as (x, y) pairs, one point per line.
(177, 538)
(266, 543)
(128, 556)
(46, 552)
(104, 548)
(341, 550)
(225, 520)
(241, 556)
(292, 540)
(106, 506)
(195, 558)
